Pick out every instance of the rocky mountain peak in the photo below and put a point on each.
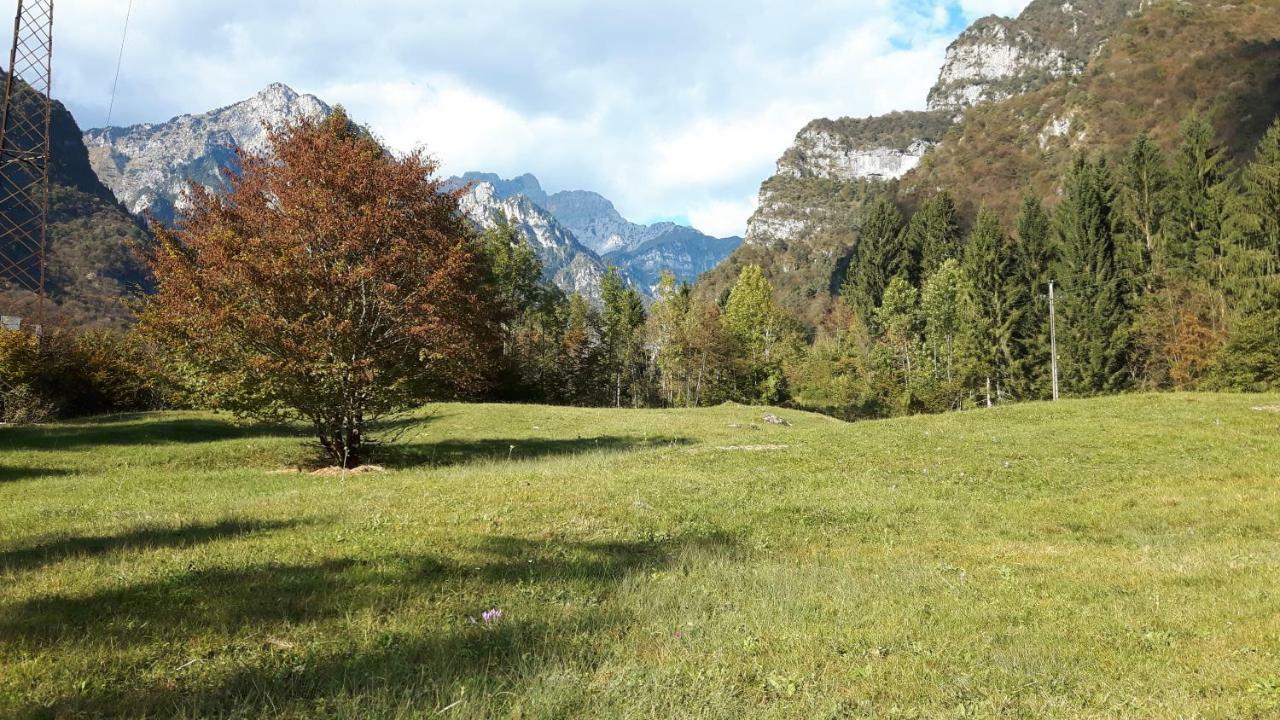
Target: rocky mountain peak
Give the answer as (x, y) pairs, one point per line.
(526, 185)
(565, 262)
(579, 233)
(997, 58)
(148, 165)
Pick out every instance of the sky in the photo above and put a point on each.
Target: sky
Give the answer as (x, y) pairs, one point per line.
(673, 109)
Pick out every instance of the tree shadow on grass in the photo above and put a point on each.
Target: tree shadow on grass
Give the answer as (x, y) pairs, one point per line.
(14, 474)
(447, 453)
(414, 659)
(124, 432)
(55, 550)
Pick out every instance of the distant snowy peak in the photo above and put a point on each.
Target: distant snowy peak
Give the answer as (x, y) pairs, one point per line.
(148, 166)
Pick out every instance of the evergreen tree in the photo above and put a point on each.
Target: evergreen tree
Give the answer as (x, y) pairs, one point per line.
(530, 317)
(989, 266)
(1096, 317)
(1143, 199)
(1034, 257)
(1254, 234)
(878, 257)
(669, 347)
(934, 234)
(580, 355)
(621, 321)
(1200, 183)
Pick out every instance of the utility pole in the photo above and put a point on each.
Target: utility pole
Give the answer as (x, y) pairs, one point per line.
(1053, 340)
(24, 164)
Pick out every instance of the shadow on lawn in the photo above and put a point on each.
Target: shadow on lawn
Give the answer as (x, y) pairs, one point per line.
(461, 452)
(131, 431)
(52, 551)
(14, 474)
(418, 660)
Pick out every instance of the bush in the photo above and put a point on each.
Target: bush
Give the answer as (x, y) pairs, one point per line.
(20, 405)
(70, 373)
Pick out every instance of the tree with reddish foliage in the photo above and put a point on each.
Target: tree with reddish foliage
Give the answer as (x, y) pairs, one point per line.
(334, 283)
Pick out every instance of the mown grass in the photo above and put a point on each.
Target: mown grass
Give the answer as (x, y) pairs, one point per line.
(1092, 559)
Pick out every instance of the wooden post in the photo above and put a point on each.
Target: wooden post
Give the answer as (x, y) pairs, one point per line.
(1053, 340)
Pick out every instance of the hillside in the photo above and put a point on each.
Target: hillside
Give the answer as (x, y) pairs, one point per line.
(91, 263)
(1015, 100)
(1219, 59)
(1111, 558)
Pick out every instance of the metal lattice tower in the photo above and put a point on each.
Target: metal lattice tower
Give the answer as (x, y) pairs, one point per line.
(24, 158)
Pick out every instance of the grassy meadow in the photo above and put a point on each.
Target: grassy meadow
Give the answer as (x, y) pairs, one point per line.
(1111, 558)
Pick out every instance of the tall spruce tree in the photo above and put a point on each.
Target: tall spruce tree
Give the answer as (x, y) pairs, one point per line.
(878, 257)
(934, 233)
(1096, 316)
(1034, 258)
(989, 266)
(1143, 200)
(1255, 230)
(1200, 183)
(622, 320)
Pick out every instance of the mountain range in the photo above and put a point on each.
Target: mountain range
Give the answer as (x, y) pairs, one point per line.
(580, 234)
(576, 234)
(1015, 100)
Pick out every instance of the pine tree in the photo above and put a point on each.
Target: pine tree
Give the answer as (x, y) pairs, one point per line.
(1096, 317)
(934, 234)
(1254, 231)
(1200, 183)
(1143, 199)
(669, 348)
(1034, 257)
(989, 266)
(621, 321)
(878, 258)
(580, 353)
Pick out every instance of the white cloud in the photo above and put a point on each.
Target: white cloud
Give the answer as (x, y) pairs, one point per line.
(722, 218)
(669, 108)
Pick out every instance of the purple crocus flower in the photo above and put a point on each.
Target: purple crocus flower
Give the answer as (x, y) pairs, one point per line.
(491, 615)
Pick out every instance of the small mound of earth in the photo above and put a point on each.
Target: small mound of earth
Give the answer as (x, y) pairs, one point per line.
(1268, 408)
(337, 471)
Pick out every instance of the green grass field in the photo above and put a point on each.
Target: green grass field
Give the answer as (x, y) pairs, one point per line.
(1111, 558)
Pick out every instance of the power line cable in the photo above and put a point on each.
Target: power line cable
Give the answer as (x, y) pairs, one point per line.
(119, 61)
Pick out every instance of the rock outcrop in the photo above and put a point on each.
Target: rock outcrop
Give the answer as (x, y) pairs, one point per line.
(807, 217)
(148, 166)
(997, 58)
(565, 262)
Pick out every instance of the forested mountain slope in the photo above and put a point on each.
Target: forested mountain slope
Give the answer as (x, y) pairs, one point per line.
(91, 262)
(1015, 101)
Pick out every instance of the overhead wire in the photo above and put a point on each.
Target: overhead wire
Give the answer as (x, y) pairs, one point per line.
(119, 61)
